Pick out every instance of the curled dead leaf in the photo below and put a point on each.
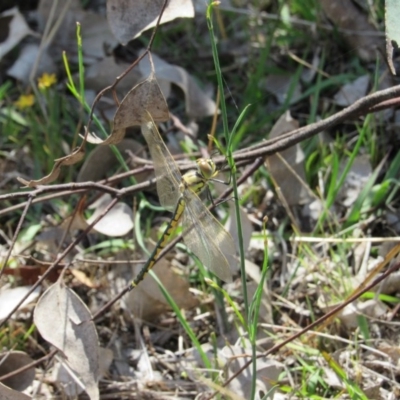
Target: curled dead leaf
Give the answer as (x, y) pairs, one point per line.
(70, 159)
(146, 97)
(197, 103)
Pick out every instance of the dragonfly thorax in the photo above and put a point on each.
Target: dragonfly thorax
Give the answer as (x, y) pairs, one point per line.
(197, 180)
(206, 168)
(194, 181)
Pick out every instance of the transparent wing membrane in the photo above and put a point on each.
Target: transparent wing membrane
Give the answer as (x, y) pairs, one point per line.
(166, 171)
(207, 238)
(202, 233)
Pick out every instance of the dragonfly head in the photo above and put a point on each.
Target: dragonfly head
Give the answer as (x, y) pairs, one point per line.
(207, 168)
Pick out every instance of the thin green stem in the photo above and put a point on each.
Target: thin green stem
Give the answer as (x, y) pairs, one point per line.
(229, 156)
(183, 321)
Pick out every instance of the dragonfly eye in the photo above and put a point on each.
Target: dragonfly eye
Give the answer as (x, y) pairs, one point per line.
(207, 168)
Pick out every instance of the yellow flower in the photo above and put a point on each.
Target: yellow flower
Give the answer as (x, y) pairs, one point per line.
(46, 80)
(25, 101)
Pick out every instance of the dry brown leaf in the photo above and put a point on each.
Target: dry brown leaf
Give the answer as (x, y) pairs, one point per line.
(357, 177)
(197, 103)
(144, 98)
(147, 302)
(29, 274)
(23, 65)
(286, 167)
(372, 308)
(129, 18)
(97, 39)
(70, 159)
(346, 16)
(11, 361)
(117, 222)
(14, 25)
(393, 351)
(106, 358)
(64, 321)
(103, 73)
(9, 394)
(10, 298)
(102, 160)
(281, 86)
(352, 91)
(268, 371)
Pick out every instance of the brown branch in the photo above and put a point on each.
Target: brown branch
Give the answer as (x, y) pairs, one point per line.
(367, 104)
(60, 258)
(66, 189)
(172, 244)
(374, 102)
(363, 105)
(30, 365)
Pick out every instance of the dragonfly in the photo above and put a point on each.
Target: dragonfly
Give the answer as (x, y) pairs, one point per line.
(202, 232)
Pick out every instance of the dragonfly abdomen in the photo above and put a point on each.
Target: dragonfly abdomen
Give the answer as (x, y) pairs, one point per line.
(172, 224)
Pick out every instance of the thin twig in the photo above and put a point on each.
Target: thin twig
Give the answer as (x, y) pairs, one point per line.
(257, 163)
(16, 233)
(29, 366)
(362, 106)
(60, 258)
(126, 72)
(374, 102)
(319, 321)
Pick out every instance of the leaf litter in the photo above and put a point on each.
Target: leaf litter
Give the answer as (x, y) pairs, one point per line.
(129, 18)
(64, 321)
(9, 394)
(309, 278)
(197, 103)
(12, 361)
(17, 28)
(146, 95)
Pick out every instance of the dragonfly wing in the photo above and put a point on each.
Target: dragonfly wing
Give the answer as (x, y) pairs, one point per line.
(207, 238)
(167, 173)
